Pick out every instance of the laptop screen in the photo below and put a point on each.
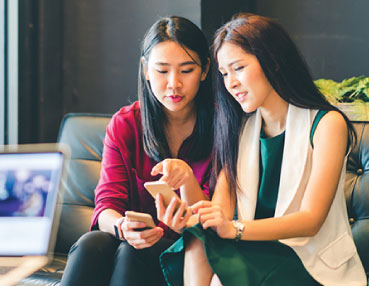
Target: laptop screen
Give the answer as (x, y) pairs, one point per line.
(29, 184)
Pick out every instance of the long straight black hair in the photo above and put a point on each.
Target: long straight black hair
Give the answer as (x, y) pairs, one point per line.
(189, 37)
(283, 66)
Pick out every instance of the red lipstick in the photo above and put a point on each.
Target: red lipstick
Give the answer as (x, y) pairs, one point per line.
(175, 98)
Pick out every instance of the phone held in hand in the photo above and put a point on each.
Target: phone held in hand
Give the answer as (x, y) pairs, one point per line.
(141, 217)
(162, 188)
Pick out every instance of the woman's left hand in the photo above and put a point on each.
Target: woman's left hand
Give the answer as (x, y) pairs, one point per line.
(175, 219)
(175, 172)
(211, 215)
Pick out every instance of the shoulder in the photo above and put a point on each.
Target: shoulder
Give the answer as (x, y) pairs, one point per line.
(127, 114)
(332, 127)
(126, 122)
(332, 120)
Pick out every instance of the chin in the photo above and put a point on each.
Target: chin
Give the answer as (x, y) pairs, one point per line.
(248, 109)
(172, 108)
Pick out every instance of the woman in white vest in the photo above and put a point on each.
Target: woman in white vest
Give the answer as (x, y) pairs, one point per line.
(278, 213)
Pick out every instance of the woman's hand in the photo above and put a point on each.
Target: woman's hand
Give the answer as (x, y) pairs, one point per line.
(211, 215)
(175, 172)
(140, 239)
(176, 220)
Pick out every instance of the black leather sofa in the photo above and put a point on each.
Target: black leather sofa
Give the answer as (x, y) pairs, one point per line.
(85, 133)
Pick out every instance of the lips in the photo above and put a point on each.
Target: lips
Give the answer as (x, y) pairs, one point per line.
(241, 96)
(175, 98)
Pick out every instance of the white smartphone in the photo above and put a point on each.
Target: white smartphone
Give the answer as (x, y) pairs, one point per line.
(141, 217)
(162, 188)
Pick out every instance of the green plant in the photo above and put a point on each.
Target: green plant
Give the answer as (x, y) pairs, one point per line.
(349, 90)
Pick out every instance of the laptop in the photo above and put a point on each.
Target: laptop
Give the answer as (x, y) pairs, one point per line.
(30, 196)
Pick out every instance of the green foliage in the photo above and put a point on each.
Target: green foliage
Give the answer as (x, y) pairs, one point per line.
(349, 90)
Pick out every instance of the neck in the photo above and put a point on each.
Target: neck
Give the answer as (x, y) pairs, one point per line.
(274, 114)
(182, 117)
(179, 126)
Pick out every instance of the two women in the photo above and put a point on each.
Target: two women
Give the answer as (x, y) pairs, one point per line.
(280, 153)
(167, 135)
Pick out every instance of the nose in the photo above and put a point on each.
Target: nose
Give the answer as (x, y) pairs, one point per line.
(174, 81)
(232, 81)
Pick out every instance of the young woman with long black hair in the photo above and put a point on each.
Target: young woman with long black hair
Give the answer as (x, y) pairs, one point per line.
(280, 154)
(166, 135)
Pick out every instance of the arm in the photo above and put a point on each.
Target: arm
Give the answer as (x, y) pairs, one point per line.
(176, 172)
(107, 219)
(179, 175)
(112, 193)
(222, 206)
(224, 197)
(327, 165)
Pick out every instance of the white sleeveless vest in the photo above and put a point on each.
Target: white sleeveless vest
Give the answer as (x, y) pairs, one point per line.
(330, 256)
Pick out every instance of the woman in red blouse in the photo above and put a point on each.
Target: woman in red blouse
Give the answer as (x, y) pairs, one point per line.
(167, 135)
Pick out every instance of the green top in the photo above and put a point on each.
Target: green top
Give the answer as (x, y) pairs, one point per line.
(271, 154)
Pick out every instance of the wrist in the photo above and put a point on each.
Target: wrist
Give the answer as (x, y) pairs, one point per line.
(118, 228)
(231, 231)
(239, 228)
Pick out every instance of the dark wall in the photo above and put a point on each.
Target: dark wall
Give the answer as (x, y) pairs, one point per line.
(101, 49)
(40, 70)
(82, 56)
(215, 13)
(333, 35)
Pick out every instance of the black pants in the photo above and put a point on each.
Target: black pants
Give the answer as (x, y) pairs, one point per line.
(98, 258)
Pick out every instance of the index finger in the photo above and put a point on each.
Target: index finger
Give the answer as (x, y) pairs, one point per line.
(160, 209)
(131, 225)
(201, 204)
(172, 207)
(157, 169)
(144, 234)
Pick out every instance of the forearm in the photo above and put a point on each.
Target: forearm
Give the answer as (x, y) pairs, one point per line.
(107, 219)
(191, 192)
(300, 224)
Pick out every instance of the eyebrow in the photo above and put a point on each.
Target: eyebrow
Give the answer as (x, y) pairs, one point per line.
(234, 62)
(181, 64)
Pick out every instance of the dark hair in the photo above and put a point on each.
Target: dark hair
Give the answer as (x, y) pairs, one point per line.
(188, 36)
(283, 66)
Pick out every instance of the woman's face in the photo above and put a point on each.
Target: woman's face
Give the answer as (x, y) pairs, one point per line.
(243, 77)
(174, 75)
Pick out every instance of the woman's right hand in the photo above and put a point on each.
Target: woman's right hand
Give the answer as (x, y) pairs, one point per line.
(176, 172)
(140, 239)
(176, 219)
(212, 216)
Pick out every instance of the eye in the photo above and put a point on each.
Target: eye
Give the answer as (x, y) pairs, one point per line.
(188, 70)
(162, 71)
(224, 74)
(239, 68)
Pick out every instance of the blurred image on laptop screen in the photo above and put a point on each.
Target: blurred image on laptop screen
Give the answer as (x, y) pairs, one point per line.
(29, 190)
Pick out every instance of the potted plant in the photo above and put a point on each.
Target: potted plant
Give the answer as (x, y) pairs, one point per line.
(351, 96)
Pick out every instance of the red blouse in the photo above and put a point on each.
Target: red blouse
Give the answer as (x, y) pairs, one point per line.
(126, 167)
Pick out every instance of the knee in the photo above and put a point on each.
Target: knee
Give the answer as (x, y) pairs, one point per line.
(195, 245)
(93, 242)
(195, 250)
(127, 252)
